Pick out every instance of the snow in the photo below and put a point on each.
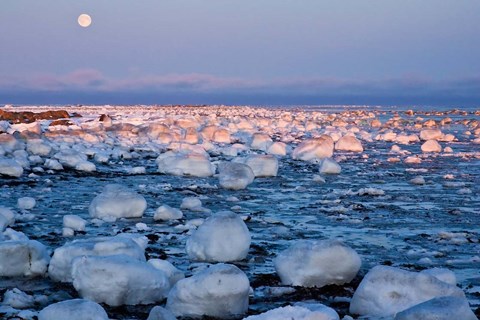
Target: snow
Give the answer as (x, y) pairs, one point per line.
(441, 308)
(297, 313)
(442, 274)
(384, 291)
(165, 212)
(10, 167)
(329, 166)
(431, 134)
(74, 222)
(317, 263)
(76, 309)
(18, 299)
(220, 291)
(431, 146)
(117, 201)
(223, 237)
(191, 203)
(119, 279)
(235, 176)
(7, 218)
(61, 264)
(277, 148)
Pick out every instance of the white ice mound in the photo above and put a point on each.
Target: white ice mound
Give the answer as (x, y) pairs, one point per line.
(159, 313)
(384, 291)
(431, 146)
(70, 158)
(74, 222)
(314, 149)
(76, 309)
(173, 274)
(7, 218)
(431, 134)
(38, 147)
(60, 268)
(165, 212)
(20, 256)
(262, 165)
(235, 176)
(10, 167)
(318, 263)
(118, 280)
(222, 237)
(442, 274)
(26, 203)
(441, 308)
(220, 291)
(117, 201)
(185, 163)
(329, 166)
(349, 143)
(297, 313)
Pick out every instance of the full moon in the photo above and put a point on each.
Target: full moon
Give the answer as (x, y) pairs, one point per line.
(84, 20)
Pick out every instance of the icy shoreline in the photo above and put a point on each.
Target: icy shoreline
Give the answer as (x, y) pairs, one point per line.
(397, 200)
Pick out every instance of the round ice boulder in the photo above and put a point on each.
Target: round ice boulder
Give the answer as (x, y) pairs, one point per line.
(11, 168)
(384, 291)
(185, 163)
(431, 134)
(262, 165)
(117, 201)
(235, 176)
(220, 291)
(314, 149)
(60, 268)
(441, 308)
(173, 274)
(23, 258)
(442, 274)
(431, 146)
(76, 309)
(118, 280)
(222, 237)
(159, 313)
(74, 222)
(297, 313)
(7, 218)
(26, 203)
(349, 143)
(329, 166)
(317, 263)
(165, 212)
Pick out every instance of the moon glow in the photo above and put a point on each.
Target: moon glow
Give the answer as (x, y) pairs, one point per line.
(84, 20)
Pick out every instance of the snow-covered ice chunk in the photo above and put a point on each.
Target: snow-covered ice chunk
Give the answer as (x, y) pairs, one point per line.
(431, 146)
(7, 218)
(314, 149)
(53, 164)
(442, 274)
(185, 163)
(222, 237)
(441, 308)
(311, 263)
(117, 280)
(160, 313)
(173, 274)
(418, 180)
(38, 147)
(191, 203)
(23, 258)
(74, 222)
(235, 176)
(70, 157)
(10, 167)
(26, 203)
(261, 141)
(349, 143)
(277, 148)
(329, 166)
(18, 299)
(165, 212)
(297, 313)
(263, 165)
(431, 134)
(370, 192)
(61, 264)
(117, 201)
(220, 291)
(75, 309)
(384, 291)
(85, 166)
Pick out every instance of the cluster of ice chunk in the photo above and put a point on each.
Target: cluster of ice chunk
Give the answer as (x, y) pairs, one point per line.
(118, 202)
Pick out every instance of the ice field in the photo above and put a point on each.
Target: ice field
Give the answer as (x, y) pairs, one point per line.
(164, 212)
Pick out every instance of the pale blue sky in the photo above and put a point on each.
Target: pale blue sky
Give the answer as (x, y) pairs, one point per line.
(249, 51)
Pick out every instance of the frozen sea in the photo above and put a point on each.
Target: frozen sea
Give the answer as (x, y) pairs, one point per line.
(393, 222)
